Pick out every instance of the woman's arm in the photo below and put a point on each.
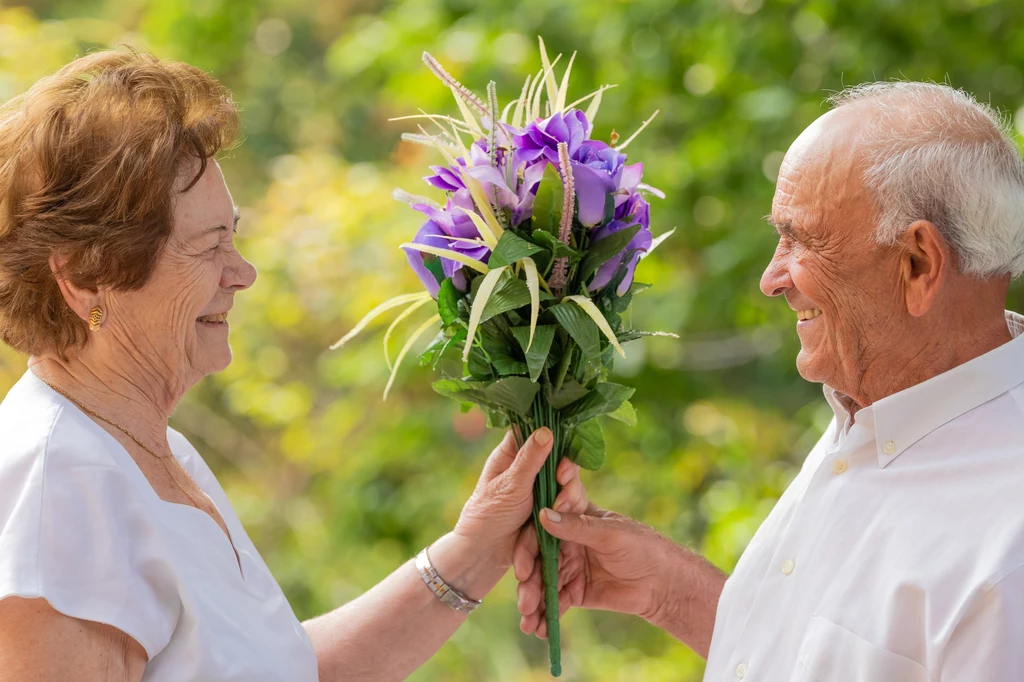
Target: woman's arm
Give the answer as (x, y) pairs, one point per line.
(40, 644)
(394, 628)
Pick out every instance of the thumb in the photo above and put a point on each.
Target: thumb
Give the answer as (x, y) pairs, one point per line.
(531, 458)
(589, 531)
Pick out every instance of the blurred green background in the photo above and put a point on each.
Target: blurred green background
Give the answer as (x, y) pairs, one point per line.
(337, 488)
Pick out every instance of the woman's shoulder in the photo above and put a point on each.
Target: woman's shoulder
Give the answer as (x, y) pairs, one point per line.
(43, 429)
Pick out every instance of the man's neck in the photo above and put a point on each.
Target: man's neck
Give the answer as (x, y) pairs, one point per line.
(945, 350)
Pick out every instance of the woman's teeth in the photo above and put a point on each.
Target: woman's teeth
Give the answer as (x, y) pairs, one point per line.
(803, 315)
(214, 318)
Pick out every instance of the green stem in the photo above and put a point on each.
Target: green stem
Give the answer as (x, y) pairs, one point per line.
(545, 490)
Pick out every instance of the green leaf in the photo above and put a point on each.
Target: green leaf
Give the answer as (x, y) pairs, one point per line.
(478, 366)
(568, 393)
(625, 414)
(537, 356)
(448, 302)
(604, 399)
(511, 248)
(434, 350)
(462, 390)
(514, 393)
(510, 293)
(547, 206)
(557, 248)
(603, 249)
(496, 419)
(434, 266)
(580, 326)
(634, 334)
(587, 445)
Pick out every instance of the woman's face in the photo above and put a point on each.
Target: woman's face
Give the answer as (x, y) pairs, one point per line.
(177, 324)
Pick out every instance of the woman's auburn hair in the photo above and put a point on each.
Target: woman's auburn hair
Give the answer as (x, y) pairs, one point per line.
(90, 160)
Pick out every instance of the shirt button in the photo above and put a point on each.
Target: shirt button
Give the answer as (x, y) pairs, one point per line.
(889, 447)
(839, 466)
(788, 566)
(741, 670)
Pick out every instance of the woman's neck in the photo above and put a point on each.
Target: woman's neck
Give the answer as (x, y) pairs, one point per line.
(139, 401)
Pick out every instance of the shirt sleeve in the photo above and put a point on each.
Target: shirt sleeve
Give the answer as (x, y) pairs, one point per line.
(82, 535)
(986, 644)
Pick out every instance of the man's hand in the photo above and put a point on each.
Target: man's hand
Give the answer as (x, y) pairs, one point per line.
(612, 563)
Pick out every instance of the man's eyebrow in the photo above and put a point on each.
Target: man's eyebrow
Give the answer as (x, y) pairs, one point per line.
(785, 228)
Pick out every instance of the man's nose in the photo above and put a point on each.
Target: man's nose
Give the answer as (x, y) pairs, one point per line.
(776, 279)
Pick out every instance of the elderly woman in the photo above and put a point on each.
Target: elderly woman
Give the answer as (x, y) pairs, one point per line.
(120, 555)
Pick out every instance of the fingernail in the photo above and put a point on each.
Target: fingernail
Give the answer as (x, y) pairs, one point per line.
(554, 516)
(543, 436)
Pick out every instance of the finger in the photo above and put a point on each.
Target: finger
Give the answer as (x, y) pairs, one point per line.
(524, 555)
(529, 593)
(567, 470)
(531, 458)
(501, 457)
(572, 498)
(529, 623)
(542, 628)
(583, 530)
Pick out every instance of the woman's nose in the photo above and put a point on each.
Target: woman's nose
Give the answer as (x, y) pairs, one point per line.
(239, 275)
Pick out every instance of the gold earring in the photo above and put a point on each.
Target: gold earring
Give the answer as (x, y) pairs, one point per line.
(95, 319)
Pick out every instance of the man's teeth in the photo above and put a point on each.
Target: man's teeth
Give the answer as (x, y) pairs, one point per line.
(807, 314)
(214, 318)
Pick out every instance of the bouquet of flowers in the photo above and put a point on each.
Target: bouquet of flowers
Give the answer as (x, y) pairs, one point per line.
(530, 265)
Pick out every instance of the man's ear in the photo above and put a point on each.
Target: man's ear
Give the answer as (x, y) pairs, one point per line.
(926, 260)
(80, 299)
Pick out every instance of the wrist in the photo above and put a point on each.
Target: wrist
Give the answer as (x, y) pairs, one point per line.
(471, 569)
(685, 601)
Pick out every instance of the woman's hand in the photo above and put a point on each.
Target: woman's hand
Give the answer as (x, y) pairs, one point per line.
(475, 556)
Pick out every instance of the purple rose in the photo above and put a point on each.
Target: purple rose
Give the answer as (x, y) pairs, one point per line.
(446, 228)
(633, 211)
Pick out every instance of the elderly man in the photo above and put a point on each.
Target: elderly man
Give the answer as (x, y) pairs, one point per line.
(897, 554)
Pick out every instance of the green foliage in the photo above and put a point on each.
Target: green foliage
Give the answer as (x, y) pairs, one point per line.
(600, 251)
(510, 249)
(547, 207)
(336, 489)
(604, 399)
(587, 446)
(448, 303)
(537, 355)
(580, 327)
(513, 393)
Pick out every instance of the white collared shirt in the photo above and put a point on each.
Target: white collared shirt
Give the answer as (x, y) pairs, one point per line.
(897, 553)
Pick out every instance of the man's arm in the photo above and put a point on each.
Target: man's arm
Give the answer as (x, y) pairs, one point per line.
(986, 645)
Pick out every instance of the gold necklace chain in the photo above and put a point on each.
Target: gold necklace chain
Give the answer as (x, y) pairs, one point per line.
(162, 458)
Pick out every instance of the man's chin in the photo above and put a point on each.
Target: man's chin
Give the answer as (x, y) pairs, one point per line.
(808, 368)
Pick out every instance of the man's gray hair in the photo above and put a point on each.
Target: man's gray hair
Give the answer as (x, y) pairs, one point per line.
(935, 153)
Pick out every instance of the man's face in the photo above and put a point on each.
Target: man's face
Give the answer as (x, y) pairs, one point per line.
(844, 288)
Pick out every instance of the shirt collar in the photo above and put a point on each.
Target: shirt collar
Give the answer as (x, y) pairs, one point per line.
(902, 419)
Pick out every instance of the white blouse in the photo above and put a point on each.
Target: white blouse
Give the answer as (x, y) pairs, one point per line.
(897, 553)
(81, 527)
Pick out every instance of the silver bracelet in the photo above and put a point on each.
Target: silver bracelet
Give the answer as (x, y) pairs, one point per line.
(442, 590)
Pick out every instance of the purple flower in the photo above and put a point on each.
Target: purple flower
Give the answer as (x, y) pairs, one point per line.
(596, 167)
(633, 211)
(446, 228)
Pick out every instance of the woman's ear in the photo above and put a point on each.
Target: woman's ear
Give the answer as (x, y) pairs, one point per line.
(81, 300)
(926, 258)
